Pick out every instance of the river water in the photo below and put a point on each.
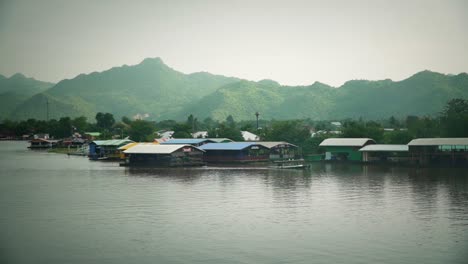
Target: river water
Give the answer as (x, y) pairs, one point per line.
(60, 209)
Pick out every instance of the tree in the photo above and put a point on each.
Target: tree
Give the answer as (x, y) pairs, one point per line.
(126, 120)
(181, 131)
(230, 121)
(193, 123)
(454, 118)
(290, 131)
(80, 123)
(398, 137)
(353, 129)
(141, 130)
(226, 131)
(105, 120)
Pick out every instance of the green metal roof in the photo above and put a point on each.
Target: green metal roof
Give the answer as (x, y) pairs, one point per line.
(93, 134)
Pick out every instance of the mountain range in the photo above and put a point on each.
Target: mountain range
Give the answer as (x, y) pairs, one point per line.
(159, 92)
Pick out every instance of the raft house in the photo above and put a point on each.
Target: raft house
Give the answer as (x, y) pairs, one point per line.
(344, 149)
(439, 151)
(106, 149)
(235, 152)
(197, 142)
(281, 150)
(375, 153)
(157, 155)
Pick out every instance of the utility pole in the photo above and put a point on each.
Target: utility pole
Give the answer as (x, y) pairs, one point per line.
(257, 114)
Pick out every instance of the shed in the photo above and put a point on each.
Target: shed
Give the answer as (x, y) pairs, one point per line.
(163, 155)
(387, 153)
(235, 152)
(344, 149)
(431, 151)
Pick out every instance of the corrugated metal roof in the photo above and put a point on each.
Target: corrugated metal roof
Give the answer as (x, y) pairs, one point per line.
(346, 142)
(272, 144)
(186, 141)
(384, 148)
(228, 146)
(438, 141)
(113, 142)
(133, 144)
(156, 149)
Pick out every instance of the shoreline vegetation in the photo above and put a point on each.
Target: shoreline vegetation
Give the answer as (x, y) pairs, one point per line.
(305, 133)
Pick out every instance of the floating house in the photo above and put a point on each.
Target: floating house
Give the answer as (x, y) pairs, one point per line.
(345, 149)
(188, 141)
(281, 149)
(133, 144)
(42, 143)
(385, 153)
(106, 149)
(163, 155)
(437, 151)
(235, 152)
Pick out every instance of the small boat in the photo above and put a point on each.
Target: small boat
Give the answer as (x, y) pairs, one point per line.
(290, 164)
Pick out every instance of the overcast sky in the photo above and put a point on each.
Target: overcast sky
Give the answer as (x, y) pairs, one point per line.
(292, 42)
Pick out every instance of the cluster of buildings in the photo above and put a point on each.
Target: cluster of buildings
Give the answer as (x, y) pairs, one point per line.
(421, 151)
(191, 152)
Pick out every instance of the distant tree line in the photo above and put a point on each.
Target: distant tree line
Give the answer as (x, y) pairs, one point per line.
(451, 122)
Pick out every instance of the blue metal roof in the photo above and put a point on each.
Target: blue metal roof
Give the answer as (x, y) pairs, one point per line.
(227, 146)
(186, 141)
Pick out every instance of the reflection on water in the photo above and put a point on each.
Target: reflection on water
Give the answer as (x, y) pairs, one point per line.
(58, 209)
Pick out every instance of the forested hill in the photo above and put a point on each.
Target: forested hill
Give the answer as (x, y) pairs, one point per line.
(153, 89)
(17, 89)
(149, 88)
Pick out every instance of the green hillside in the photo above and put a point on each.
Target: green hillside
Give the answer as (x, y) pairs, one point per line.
(150, 87)
(16, 90)
(155, 89)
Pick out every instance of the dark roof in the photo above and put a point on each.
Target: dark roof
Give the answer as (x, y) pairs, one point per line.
(186, 141)
(228, 146)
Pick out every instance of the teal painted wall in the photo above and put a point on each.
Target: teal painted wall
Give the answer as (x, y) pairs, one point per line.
(353, 152)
